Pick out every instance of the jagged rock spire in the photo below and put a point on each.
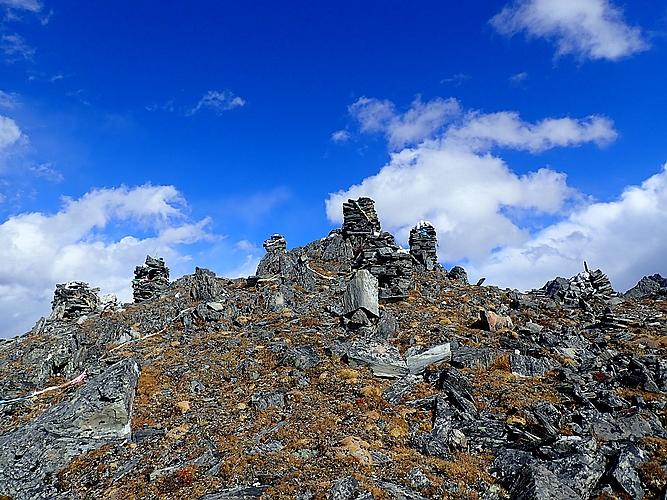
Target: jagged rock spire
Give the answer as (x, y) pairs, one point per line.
(74, 299)
(424, 244)
(150, 280)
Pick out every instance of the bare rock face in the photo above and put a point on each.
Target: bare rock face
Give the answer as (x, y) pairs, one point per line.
(150, 280)
(100, 413)
(361, 293)
(288, 267)
(649, 286)
(73, 300)
(424, 245)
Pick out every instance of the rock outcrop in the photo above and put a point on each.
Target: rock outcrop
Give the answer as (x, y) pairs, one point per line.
(648, 286)
(346, 368)
(32, 455)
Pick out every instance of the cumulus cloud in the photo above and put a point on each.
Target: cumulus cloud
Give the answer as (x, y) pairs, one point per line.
(42, 249)
(506, 129)
(218, 102)
(486, 213)
(624, 237)
(10, 132)
(419, 122)
(461, 192)
(593, 29)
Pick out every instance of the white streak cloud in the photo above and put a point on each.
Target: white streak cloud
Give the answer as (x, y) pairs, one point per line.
(592, 29)
(29, 5)
(506, 129)
(218, 102)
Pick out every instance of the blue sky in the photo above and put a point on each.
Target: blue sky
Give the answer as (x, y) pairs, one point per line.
(197, 129)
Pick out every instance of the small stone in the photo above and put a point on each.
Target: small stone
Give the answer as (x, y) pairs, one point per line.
(183, 406)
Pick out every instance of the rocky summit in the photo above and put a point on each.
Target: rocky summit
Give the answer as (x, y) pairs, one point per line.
(349, 368)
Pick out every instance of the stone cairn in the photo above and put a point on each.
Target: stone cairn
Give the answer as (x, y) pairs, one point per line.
(360, 217)
(150, 280)
(376, 250)
(73, 300)
(273, 263)
(423, 245)
(584, 290)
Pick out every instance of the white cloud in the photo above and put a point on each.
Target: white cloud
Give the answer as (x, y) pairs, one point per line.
(506, 129)
(340, 136)
(485, 212)
(518, 78)
(15, 48)
(457, 80)
(419, 122)
(624, 237)
(10, 132)
(47, 171)
(40, 250)
(218, 101)
(8, 100)
(29, 5)
(461, 192)
(593, 29)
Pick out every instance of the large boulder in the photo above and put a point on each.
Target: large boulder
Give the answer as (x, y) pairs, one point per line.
(361, 293)
(101, 412)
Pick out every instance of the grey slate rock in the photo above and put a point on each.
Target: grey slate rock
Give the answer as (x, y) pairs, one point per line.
(648, 286)
(419, 359)
(581, 471)
(528, 366)
(301, 358)
(381, 357)
(459, 274)
(395, 393)
(100, 413)
(387, 325)
(624, 473)
(265, 400)
(345, 488)
(398, 492)
(361, 293)
(536, 482)
(237, 493)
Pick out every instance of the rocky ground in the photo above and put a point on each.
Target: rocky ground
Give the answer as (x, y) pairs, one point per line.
(346, 369)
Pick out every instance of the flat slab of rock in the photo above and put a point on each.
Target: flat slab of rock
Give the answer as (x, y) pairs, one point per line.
(361, 293)
(32, 455)
(381, 357)
(419, 359)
